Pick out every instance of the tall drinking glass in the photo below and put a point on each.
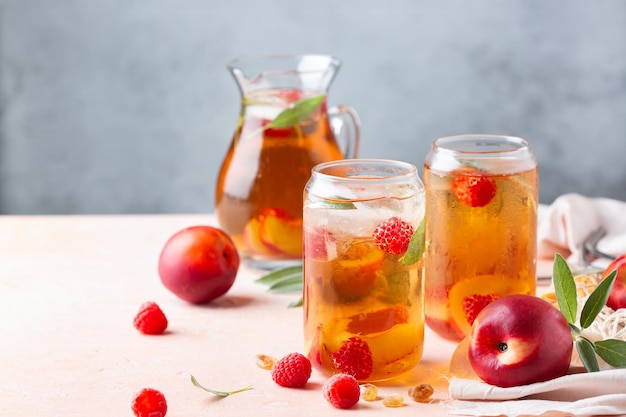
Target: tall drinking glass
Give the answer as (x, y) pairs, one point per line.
(363, 299)
(481, 227)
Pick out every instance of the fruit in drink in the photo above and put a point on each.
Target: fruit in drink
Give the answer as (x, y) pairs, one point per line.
(468, 297)
(520, 339)
(617, 296)
(198, 263)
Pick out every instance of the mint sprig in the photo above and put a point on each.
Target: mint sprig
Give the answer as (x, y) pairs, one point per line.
(195, 382)
(296, 112)
(282, 280)
(416, 245)
(612, 351)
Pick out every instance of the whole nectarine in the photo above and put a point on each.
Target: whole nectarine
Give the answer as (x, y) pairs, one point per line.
(199, 264)
(617, 296)
(518, 340)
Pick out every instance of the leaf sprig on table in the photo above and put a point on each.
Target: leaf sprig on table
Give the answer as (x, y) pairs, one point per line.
(612, 351)
(195, 382)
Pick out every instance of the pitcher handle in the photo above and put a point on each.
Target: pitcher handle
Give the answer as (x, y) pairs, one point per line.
(345, 123)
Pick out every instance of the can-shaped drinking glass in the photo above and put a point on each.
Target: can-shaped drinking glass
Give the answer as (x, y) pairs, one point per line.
(363, 288)
(481, 227)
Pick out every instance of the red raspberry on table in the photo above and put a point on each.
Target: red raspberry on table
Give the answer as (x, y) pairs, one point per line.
(292, 371)
(474, 190)
(342, 390)
(150, 319)
(393, 235)
(149, 403)
(354, 357)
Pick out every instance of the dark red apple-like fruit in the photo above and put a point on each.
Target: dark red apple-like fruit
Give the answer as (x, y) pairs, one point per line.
(617, 296)
(199, 264)
(518, 340)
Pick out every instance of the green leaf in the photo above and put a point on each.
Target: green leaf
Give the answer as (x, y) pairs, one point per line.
(613, 351)
(297, 112)
(279, 274)
(597, 300)
(565, 289)
(297, 303)
(218, 393)
(416, 246)
(587, 354)
(332, 202)
(287, 284)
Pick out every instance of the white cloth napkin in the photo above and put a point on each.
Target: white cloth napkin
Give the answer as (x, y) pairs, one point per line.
(571, 218)
(583, 394)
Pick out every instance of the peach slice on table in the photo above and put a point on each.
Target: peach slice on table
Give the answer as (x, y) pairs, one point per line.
(281, 232)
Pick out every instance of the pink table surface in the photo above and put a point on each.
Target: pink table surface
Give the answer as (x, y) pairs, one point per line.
(69, 289)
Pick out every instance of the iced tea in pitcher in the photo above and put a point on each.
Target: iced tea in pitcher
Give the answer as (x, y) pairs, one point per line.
(284, 130)
(481, 227)
(363, 295)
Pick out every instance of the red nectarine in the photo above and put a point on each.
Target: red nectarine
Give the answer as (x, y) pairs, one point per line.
(199, 264)
(518, 340)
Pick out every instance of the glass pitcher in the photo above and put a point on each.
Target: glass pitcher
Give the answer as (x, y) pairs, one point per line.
(284, 129)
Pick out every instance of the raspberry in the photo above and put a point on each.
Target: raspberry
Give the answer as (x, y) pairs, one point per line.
(150, 319)
(149, 403)
(474, 190)
(342, 391)
(393, 235)
(473, 305)
(292, 371)
(354, 357)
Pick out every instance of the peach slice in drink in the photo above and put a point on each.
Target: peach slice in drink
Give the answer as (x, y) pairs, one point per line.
(252, 238)
(354, 271)
(281, 232)
(469, 296)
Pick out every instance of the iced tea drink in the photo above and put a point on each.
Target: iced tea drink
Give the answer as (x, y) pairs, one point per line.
(481, 228)
(259, 189)
(284, 129)
(363, 287)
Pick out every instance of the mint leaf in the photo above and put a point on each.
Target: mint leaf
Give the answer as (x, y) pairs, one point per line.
(587, 354)
(613, 351)
(286, 279)
(416, 245)
(333, 202)
(596, 301)
(297, 303)
(195, 382)
(279, 274)
(289, 283)
(565, 289)
(297, 112)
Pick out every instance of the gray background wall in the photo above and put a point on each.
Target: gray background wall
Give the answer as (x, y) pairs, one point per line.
(126, 106)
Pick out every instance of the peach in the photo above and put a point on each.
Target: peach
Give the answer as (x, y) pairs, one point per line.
(617, 296)
(518, 340)
(199, 264)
